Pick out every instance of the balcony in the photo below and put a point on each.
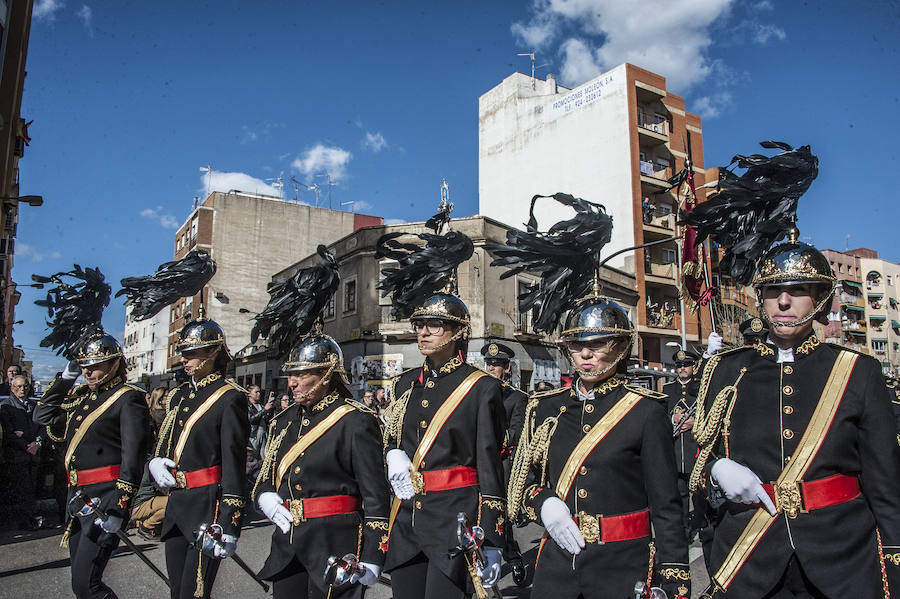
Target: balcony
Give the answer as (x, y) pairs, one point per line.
(659, 227)
(854, 327)
(660, 273)
(653, 128)
(655, 174)
(852, 300)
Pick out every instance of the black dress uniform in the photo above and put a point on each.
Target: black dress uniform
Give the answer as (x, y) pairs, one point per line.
(467, 448)
(514, 403)
(208, 442)
(852, 484)
(626, 483)
(107, 463)
(336, 490)
(681, 404)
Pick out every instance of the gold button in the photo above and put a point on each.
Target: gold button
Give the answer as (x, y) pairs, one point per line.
(787, 410)
(582, 493)
(424, 403)
(192, 395)
(586, 427)
(86, 408)
(562, 409)
(93, 396)
(788, 433)
(305, 422)
(588, 408)
(181, 423)
(418, 505)
(296, 469)
(583, 470)
(429, 384)
(298, 487)
(788, 390)
(788, 369)
(185, 409)
(787, 460)
(78, 417)
(423, 424)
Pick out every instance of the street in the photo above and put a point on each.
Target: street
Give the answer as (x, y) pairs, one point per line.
(35, 567)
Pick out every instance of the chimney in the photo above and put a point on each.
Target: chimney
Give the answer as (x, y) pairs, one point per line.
(551, 83)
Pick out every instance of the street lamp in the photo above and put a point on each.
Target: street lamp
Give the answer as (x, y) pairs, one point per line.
(30, 200)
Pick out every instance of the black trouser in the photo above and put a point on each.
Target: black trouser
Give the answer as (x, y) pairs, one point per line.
(89, 551)
(19, 493)
(419, 579)
(685, 494)
(294, 582)
(181, 565)
(795, 584)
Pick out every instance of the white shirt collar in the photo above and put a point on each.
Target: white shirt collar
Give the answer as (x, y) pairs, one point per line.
(582, 396)
(784, 355)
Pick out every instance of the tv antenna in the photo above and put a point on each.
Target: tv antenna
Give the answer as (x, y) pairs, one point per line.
(208, 170)
(278, 183)
(314, 188)
(330, 184)
(531, 56)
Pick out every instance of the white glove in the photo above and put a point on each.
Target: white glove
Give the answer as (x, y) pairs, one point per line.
(159, 470)
(714, 344)
(740, 484)
(398, 468)
(272, 506)
(370, 574)
(558, 521)
(490, 574)
(112, 524)
(226, 548)
(72, 371)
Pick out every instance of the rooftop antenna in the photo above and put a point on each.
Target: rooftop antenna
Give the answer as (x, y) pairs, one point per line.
(331, 184)
(314, 188)
(847, 243)
(350, 203)
(278, 183)
(531, 56)
(208, 170)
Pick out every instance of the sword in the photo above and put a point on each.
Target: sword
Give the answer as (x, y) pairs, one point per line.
(470, 539)
(213, 532)
(339, 571)
(90, 506)
(642, 591)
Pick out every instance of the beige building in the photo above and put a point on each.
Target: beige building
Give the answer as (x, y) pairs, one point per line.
(250, 236)
(615, 140)
(376, 346)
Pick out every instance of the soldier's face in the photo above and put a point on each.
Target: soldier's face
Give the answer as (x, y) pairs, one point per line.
(196, 361)
(96, 373)
(787, 303)
(594, 359)
(685, 372)
(497, 368)
(307, 387)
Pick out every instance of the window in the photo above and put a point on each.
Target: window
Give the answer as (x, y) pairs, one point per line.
(194, 228)
(382, 266)
(329, 308)
(663, 209)
(350, 295)
(669, 256)
(523, 319)
(889, 280)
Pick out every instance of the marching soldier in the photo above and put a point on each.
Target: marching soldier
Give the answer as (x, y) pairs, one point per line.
(797, 438)
(597, 471)
(322, 482)
(200, 459)
(105, 427)
(681, 404)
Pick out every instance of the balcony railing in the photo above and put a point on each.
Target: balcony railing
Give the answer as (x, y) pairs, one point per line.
(652, 123)
(654, 170)
(662, 270)
(663, 222)
(852, 300)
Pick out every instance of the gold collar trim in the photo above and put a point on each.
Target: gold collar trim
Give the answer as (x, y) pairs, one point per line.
(451, 365)
(607, 386)
(214, 376)
(113, 382)
(763, 349)
(809, 345)
(325, 401)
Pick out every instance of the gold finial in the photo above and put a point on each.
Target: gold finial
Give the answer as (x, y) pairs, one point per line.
(201, 313)
(793, 234)
(596, 283)
(446, 206)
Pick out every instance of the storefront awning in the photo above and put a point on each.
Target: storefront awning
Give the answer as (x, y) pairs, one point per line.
(852, 284)
(861, 333)
(879, 339)
(875, 295)
(854, 308)
(895, 324)
(878, 318)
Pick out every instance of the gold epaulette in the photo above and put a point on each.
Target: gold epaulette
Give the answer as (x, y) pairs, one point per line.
(360, 406)
(75, 398)
(547, 393)
(134, 387)
(644, 392)
(234, 384)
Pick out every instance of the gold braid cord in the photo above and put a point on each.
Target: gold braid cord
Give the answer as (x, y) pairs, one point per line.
(270, 463)
(708, 426)
(396, 411)
(530, 451)
(165, 432)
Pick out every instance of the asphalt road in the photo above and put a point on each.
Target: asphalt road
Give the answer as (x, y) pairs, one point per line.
(33, 566)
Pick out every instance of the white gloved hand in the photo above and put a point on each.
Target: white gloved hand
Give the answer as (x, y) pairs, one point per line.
(490, 574)
(740, 484)
(226, 548)
(714, 344)
(558, 521)
(398, 468)
(161, 473)
(272, 505)
(111, 525)
(369, 576)
(72, 371)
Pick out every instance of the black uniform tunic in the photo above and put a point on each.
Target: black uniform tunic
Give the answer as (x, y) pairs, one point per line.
(681, 403)
(345, 460)
(514, 403)
(471, 437)
(120, 436)
(836, 546)
(630, 470)
(218, 438)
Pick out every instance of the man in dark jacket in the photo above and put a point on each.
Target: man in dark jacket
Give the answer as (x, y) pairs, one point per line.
(21, 445)
(681, 403)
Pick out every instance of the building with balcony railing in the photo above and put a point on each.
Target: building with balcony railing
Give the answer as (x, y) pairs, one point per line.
(614, 140)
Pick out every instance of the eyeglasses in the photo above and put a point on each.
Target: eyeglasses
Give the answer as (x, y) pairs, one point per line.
(17, 386)
(434, 327)
(577, 348)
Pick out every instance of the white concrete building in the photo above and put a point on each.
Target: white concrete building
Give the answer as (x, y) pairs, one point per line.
(144, 344)
(882, 289)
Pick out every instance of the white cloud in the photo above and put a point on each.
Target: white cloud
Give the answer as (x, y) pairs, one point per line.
(87, 18)
(374, 141)
(44, 369)
(166, 221)
(24, 250)
(712, 105)
(763, 33)
(221, 181)
(322, 159)
(46, 9)
(535, 35)
(360, 206)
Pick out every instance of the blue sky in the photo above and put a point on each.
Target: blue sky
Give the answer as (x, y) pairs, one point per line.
(130, 100)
